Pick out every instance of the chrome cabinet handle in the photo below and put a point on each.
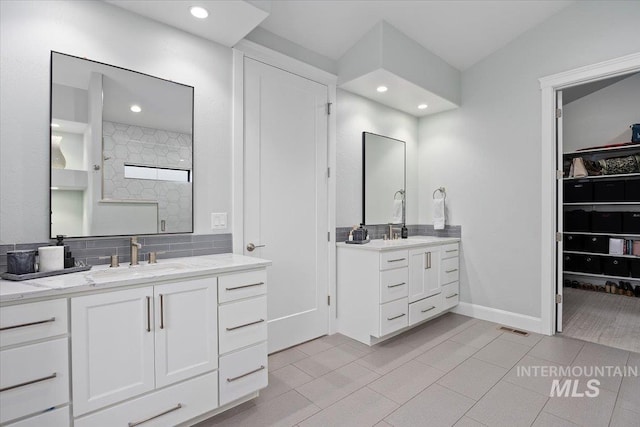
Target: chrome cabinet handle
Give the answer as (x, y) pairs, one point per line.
(396, 317)
(245, 286)
(245, 325)
(230, 380)
(161, 311)
(451, 296)
(396, 260)
(153, 417)
(148, 314)
(428, 309)
(22, 325)
(427, 260)
(11, 387)
(395, 286)
(251, 247)
(451, 250)
(451, 271)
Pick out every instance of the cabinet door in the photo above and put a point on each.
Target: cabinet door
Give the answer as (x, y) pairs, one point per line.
(112, 347)
(186, 329)
(424, 265)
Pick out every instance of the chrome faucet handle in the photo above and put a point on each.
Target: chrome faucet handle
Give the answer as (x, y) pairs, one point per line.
(113, 258)
(153, 256)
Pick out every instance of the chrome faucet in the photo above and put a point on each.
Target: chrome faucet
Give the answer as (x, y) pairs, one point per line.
(135, 246)
(392, 229)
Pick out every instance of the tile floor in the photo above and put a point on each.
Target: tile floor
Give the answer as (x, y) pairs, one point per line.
(452, 371)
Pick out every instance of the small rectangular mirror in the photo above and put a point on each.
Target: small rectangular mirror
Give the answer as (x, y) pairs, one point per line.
(383, 179)
(121, 151)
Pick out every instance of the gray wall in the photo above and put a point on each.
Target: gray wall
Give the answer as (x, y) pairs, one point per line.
(105, 33)
(487, 153)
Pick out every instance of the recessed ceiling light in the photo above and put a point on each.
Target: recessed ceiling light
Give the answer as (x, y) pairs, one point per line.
(199, 12)
(136, 108)
(55, 125)
(382, 89)
(422, 106)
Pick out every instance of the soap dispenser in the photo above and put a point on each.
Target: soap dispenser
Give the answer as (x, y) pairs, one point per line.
(404, 231)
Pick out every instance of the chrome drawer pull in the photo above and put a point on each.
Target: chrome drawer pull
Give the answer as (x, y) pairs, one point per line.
(161, 311)
(11, 387)
(245, 286)
(137, 423)
(451, 296)
(429, 309)
(148, 314)
(396, 317)
(451, 271)
(230, 380)
(451, 250)
(246, 324)
(396, 260)
(395, 286)
(6, 328)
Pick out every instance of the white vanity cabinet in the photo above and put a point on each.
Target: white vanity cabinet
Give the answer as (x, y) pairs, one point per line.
(386, 287)
(129, 342)
(34, 363)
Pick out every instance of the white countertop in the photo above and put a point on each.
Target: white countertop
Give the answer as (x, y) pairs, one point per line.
(104, 277)
(411, 242)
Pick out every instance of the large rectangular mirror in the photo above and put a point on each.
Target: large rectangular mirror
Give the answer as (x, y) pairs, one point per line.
(121, 151)
(383, 180)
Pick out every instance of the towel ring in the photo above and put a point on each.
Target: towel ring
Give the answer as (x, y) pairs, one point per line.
(441, 190)
(401, 192)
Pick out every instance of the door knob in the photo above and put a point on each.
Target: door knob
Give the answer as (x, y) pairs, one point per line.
(251, 247)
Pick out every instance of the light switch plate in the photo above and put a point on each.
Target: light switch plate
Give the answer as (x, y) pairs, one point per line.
(218, 221)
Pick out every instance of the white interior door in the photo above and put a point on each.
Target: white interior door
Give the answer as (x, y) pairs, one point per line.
(560, 216)
(286, 198)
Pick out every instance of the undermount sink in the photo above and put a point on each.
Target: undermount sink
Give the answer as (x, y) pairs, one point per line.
(140, 270)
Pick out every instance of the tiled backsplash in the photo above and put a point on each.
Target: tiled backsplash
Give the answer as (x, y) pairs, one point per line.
(377, 231)
(89, 250)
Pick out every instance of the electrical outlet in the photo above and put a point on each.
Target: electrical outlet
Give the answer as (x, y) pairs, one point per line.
(218, 221)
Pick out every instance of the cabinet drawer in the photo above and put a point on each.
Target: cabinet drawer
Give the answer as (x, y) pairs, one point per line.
(450, 295)
(243, 372)
(242, 285)
(167, 407)
(33, 378)
(393, 316)
(28, 322)
(424, 309)
(449, 270)
(394, 284)
(56, 418)
(450, 251)
(242, 323)
(393, 259)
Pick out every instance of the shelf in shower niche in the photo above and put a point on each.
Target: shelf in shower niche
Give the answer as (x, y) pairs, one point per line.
(40, 274)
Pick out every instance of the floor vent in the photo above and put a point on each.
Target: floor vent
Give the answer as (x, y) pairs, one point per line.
(514, 331)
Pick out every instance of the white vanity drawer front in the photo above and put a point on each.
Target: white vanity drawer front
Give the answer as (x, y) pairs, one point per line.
(394, 284)
(167, 407)
(242, 285)
(243, 372)
(28, 322)
(393, 316)
(56, 418)
(33, 378)
(394, 259)
(424, 309)
(449, 270)
(450, 295)
(450, 251)
(242, 323)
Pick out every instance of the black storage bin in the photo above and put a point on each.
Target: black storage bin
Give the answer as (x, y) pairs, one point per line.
(631, 222)
(597, 244)
(609, 191)
(573, 262)
(591, 264)
(578, 191)
(578, 220)
(615, 266)
(634, 267)
(573, 242)
(632, 190)
(607, 222)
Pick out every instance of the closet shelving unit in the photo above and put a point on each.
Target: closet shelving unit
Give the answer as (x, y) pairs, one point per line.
(596, 154)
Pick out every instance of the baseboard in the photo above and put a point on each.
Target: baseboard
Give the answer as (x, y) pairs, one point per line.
(507, 318)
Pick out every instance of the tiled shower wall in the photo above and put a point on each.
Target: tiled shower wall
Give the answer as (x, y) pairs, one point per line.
(149, 147)
(89, 250)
